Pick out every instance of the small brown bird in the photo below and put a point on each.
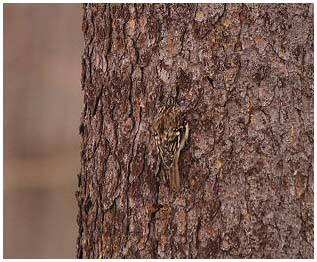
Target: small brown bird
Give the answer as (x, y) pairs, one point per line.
(171, 134)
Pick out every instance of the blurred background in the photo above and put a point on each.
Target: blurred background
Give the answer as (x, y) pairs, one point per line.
(42, 106)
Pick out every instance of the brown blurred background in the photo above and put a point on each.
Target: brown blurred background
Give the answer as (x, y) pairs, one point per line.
(42, 106)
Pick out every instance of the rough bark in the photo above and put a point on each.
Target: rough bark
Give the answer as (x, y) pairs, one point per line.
(244, 73)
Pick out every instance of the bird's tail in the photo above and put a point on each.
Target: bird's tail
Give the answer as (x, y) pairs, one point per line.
(174, 177)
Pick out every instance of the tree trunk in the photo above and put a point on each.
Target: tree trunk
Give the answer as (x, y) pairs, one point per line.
(244, 76)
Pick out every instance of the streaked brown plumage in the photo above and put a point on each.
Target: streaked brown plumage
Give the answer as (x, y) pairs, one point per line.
(171, 134)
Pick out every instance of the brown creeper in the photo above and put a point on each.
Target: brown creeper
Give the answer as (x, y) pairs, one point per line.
(171, 134)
